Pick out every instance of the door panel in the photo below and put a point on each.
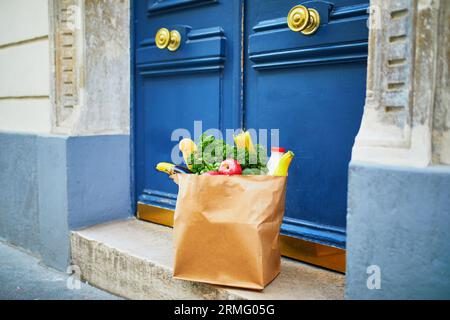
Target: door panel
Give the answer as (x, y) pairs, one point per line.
(186, 89)
(173, 89)
(312, 88)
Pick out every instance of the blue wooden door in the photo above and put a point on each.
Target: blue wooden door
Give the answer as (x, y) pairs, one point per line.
(311, 88)
(198, 81)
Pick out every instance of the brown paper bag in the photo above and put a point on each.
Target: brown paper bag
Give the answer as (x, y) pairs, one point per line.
(226, 229)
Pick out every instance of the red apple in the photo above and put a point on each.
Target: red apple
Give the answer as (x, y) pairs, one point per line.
(230, 167)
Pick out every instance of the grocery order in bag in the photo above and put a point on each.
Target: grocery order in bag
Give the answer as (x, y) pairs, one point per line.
(228, 213)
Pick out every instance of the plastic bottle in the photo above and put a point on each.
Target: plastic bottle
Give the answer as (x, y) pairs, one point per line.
(275, 156)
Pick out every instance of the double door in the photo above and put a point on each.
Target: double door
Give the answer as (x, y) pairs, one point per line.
(239, 64)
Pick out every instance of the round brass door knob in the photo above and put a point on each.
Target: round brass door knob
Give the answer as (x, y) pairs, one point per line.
(168, 39)
(162, 38)
(175, 40)
(304, 20)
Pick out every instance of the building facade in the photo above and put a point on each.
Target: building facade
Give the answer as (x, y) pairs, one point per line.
(67, 139)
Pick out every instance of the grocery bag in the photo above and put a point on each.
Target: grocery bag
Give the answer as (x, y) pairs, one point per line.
(226, 229)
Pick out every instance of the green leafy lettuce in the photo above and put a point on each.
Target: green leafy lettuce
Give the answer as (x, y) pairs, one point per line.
(211, 152)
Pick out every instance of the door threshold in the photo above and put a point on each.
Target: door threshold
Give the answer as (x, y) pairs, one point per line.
(134, 259)
(306, 251)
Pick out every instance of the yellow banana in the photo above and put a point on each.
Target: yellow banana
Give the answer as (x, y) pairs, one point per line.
(187, 146)
(244, 140)
(165, 167)
(170, 168)
(283, 164)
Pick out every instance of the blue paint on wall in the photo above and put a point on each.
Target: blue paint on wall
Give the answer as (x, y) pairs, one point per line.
(53, 184)
(399, 220)
(19, 207)
(52, 193)
(98, 179)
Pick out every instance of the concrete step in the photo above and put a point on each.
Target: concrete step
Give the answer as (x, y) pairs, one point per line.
(134, 259)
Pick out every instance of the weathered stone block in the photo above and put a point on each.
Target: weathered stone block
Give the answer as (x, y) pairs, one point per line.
(134, 259)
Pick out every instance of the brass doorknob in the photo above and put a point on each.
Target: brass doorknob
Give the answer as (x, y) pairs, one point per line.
(168, 39)
(162, 38)
(175, 40)
(304, 20)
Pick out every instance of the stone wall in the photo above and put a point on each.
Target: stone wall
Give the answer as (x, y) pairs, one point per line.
(441, 119)
(405, 42)
(91, 47)
(398, 220)
(65, 81)
(52, 184)
(399, 179)
(24, 66)
(19, 199)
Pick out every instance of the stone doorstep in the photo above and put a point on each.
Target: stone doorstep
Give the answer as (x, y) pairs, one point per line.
(134, 259)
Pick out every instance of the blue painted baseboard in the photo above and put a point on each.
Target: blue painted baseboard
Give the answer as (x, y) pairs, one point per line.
(398, 220)
(53, 184)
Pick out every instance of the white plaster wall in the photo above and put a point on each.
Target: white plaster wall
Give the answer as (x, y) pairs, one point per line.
(24, 66)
